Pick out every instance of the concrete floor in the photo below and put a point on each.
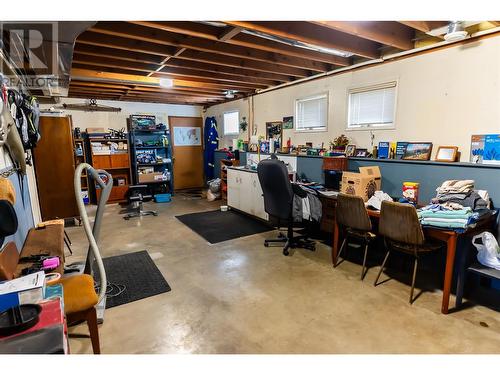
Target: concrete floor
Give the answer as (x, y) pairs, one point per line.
(241, 297)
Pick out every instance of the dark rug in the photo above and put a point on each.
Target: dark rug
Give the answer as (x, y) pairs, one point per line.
(137, 273)
(217, 226)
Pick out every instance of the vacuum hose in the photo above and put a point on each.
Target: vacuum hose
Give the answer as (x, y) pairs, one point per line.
(93, 233)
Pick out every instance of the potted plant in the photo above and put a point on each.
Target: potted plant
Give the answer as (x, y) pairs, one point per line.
(339, 144)
(243, 124)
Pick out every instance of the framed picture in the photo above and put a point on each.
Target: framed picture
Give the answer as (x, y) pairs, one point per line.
(350, 150)
(418, 151)
(447, 153)
(361, 153)
(274, 129)
(288, 122)
(400, 149)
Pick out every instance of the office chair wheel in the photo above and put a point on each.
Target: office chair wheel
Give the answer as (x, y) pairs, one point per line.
(286, 252)
(266, 244)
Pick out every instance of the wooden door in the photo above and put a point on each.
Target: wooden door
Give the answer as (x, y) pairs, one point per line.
(55, 168)
(187, 146)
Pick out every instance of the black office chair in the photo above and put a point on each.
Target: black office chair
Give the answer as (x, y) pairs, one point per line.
(278, 194)
(137, 195)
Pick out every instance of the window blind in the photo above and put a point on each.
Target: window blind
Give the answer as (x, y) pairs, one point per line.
(372, 106)
(231, 122)
(312, 113)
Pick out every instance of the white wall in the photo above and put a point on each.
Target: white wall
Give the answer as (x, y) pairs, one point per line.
(443, 97)
(117, 120)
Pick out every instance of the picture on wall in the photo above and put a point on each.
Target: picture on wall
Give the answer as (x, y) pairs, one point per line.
(288, 122)
(418, 151)
(187, 136)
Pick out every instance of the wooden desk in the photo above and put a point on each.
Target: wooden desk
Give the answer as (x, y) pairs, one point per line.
(48, 239)
(448, 236)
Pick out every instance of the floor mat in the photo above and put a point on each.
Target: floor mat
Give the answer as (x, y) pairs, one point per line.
(137, 273)
(217, 226)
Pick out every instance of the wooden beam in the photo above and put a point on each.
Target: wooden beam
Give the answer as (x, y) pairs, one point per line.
(151, 39)
(173, 70)
(121, 78)
(385, 32)
(246, 40)
(214, 68)
(191, 55)
(90, 50)
(98, 85)
(97, 39)
(313, 34)
(228, 33)
(424, 26)
(138, 99)
(236, 62)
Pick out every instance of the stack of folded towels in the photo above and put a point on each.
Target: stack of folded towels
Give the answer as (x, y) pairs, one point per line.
(458, 194)
(438, 216)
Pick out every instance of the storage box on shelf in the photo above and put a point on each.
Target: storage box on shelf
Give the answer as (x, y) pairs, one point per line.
(113, 156)
(224, 163)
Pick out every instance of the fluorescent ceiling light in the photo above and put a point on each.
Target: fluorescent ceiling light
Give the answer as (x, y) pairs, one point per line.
(166, 82)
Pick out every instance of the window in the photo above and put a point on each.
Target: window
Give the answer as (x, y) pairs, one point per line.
(231, 123)
(372, 107)
(311, 113)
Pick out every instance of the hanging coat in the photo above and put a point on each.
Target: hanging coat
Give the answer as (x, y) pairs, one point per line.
(211, 144)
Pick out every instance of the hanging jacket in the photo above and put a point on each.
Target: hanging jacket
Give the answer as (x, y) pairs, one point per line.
(211, 144)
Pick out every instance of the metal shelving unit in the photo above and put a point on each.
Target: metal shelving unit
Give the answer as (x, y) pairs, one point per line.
(156, 144)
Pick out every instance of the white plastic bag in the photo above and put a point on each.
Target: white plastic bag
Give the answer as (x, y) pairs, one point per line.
(488, 252)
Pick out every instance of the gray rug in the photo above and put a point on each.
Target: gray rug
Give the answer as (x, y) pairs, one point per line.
(137, 273)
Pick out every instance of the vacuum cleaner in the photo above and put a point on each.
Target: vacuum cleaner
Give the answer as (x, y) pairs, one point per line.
(105, 182)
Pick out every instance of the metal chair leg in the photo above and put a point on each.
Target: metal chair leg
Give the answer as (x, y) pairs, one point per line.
(382, 267)
(364, 263)
(340, 252)
(67, 237)
(415, 265)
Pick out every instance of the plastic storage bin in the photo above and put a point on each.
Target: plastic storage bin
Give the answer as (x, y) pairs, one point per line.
(163, 198)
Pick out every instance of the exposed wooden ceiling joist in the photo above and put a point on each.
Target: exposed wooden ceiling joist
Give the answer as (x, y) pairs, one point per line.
(96, 75)
(243, 63)
(174, 73)
(229, 33)
(249, 75)
(150, 39)
(244, 40)
(314, 34)
(389, 33)
(424, 26)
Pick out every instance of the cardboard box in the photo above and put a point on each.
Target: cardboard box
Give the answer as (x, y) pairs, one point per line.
(363, 184)
(26, 289)
(151, 177)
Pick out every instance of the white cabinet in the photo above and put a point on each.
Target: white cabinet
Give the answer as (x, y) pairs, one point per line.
(233, 188)
(244, 192)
